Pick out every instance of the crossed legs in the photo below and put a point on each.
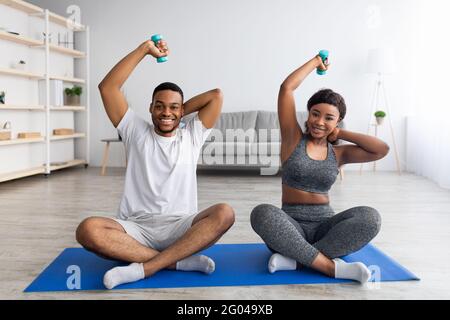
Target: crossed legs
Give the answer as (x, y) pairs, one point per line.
(107, 238)
(339, 235)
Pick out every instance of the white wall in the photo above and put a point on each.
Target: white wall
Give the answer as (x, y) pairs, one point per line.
(247, 48)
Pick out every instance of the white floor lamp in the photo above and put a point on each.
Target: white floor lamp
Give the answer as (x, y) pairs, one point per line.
(380, 61)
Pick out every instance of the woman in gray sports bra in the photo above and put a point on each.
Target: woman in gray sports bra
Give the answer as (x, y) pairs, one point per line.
(306, 231)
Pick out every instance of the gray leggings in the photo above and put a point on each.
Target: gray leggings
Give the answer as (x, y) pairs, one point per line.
(300, 232)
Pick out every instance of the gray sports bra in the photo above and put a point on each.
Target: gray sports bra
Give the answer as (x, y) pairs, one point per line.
(302, 172)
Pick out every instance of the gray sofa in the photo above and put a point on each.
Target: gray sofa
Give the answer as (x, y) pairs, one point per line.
(244, 140)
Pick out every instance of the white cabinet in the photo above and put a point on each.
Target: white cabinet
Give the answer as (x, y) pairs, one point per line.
(53, 48)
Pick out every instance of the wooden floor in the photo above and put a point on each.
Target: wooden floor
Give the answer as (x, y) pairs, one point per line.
(38, 218)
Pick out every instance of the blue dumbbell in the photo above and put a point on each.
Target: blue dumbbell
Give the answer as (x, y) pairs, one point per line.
(324, 56)
(155, 38)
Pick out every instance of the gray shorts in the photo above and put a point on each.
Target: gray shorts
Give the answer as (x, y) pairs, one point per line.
(157, 231)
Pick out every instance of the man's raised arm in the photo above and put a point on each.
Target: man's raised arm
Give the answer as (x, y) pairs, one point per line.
(114, 101)
(208, 105)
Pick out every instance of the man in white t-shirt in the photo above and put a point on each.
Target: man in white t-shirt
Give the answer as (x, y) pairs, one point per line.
(158, 225)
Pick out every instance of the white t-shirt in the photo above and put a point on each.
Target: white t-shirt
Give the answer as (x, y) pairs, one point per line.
(161, 174)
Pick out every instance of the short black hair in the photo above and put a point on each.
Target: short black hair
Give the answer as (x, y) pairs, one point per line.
(168, 86)
(330, 97)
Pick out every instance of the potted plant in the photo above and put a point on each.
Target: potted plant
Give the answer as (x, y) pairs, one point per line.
(2, 97)
(72, 96)
(379, 116)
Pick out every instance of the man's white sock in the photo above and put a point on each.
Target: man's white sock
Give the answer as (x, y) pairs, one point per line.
(197, 263)
(278, 262)
(120, 275)
(353, 270)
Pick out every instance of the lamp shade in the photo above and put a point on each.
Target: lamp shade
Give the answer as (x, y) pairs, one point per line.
(380, 61)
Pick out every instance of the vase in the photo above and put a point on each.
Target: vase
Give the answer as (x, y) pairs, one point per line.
(380, 120)
(71, 100)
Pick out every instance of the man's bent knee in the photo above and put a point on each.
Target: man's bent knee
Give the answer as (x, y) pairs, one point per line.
(87, 232)
(225, 215)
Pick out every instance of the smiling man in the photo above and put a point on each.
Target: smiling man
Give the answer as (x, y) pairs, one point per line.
(158, 225)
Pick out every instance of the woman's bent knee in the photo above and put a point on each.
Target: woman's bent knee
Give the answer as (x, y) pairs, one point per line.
(372, 219)
(262, 215)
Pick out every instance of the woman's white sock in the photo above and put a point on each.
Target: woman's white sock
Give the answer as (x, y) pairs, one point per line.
(278, 262)
(351, 270)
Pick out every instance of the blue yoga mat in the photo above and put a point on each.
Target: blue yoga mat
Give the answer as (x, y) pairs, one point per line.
(236, 265)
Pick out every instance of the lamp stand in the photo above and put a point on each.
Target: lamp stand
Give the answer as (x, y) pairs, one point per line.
(380, 88)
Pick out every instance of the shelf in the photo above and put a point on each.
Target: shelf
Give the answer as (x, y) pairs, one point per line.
(19, 39)
(24, 108)
(32, 44)
(68, 108)
(21, 174)
(21, 73)
(21, 141)
(67, 51)
(68, 164)
(66, 79)
(69, 136)
(22, 6)
(41, 108)
(39, 44)
(63, 21)
(53, 17)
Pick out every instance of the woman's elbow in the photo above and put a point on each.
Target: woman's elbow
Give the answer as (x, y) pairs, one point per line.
(384, 150)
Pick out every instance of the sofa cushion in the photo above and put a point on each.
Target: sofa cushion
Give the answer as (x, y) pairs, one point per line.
(267, 127)
(235, 126)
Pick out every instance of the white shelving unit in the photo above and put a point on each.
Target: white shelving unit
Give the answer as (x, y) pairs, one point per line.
(44, 153)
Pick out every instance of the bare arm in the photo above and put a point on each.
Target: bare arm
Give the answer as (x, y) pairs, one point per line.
(365, 148)
(114, 101)
(291, 131)
(208, 105)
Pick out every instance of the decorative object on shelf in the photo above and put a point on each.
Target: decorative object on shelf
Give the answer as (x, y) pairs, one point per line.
(28, 135)
(19, 65)
(72, 96)
(5, 131)
(2, 97)
(65, 41)
(379, 116)
(45, 36)
(63, 132)
(8, 31)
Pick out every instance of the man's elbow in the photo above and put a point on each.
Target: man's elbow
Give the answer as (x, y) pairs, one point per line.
(101, 86)
(218, 94)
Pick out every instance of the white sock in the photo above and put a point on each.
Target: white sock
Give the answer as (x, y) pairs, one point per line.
(120, 275)
(354, 270)
(278, 262)
(197, 263)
